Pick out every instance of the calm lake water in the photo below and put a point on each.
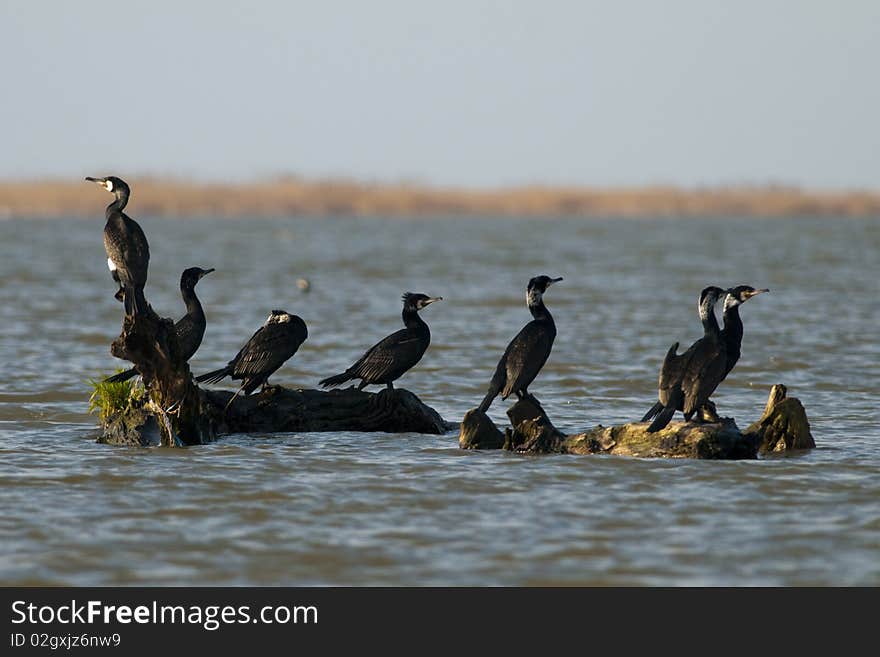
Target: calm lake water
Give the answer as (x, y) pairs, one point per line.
(383, 509)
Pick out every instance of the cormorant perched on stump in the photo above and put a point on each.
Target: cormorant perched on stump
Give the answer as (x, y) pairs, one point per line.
(528, 351)
(128, 254)
(391, 358)
(190, 328)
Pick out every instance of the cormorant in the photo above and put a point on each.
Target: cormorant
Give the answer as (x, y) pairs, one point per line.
(190, 328)
(688, 380)
(128, 254)
(267, 350)
(732, 333)
(392, 357)
(528, 351)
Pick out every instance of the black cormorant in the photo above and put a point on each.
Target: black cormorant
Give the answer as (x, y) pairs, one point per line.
(688, 380)
(528, 351)
(267, 350)
(128, 254)
(732, 333)
(190, 328)
(391, 358)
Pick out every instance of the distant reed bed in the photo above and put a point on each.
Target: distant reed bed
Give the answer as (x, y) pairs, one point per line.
(293, 196)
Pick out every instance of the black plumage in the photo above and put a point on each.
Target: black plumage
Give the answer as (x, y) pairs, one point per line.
(268, 349)
(732, 333)
(392, 357)
(128, 254)
(687, 380)
(190, 328)
(529, 349)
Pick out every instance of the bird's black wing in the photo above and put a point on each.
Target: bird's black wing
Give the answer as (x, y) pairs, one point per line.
(670, 374)
(268, 349)
(127, 247)
(703, 374)
(526, 355)
(393, 355)
(189, 335)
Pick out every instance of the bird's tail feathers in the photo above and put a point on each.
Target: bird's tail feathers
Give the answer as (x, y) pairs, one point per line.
(662, 419)
(337, 380)
(214, 377)
(656, 408)
(488, 399)
(122, 376)
(133, 300)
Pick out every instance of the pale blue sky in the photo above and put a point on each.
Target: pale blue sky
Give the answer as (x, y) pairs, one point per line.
(454, 92)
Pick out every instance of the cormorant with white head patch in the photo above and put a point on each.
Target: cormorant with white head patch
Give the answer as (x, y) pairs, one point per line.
(268, 349)
(528, 351)
(687, 380)
(732, 333)
(128, 254)
(392, 357)
(190, 328)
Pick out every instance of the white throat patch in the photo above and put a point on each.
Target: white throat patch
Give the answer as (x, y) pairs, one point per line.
(108, 185)
(110, 265)
(278, 318)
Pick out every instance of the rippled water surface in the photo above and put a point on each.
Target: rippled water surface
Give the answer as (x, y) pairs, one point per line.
(357, 509)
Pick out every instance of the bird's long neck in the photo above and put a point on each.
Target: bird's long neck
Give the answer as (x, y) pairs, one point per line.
(535, 301)
(193, 305)
(710, 322)
(119, 202)
(733, 328)
(412, 320)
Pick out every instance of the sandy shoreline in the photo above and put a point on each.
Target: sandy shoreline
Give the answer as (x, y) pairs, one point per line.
(296, 197)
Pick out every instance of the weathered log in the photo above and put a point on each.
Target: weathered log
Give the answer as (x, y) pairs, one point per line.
(349, 409)
(477, 431)
(280, 409)
(716, 440)
(532, 431)
(783, 426)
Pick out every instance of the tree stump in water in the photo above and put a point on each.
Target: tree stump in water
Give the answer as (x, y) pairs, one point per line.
(783, 426)
(149, 342)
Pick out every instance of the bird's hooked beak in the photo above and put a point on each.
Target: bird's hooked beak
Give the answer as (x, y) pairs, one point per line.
(101, 182)
(431, 300)
(749, 295)
(205, 272)
(554, 280)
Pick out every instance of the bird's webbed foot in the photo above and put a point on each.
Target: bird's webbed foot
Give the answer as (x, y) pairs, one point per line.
(708, 414)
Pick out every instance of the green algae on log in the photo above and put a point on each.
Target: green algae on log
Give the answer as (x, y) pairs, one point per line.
(783, 426)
